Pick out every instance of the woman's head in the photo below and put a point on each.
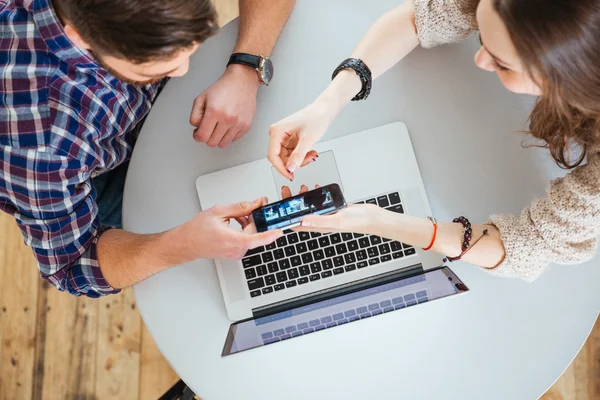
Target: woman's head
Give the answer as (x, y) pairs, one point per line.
(549, 48)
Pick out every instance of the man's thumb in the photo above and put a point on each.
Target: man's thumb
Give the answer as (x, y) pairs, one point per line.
(242, 209)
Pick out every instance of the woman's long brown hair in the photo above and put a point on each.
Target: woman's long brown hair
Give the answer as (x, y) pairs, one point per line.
(558, 41)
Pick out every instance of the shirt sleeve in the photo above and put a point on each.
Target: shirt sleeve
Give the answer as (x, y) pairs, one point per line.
(56, 210)
(562, 227)
(442, 21)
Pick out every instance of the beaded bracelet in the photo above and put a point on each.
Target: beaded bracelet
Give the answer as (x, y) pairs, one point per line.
(467, 232)
(363, 72)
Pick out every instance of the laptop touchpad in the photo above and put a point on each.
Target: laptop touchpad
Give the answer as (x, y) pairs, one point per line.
(323, 171)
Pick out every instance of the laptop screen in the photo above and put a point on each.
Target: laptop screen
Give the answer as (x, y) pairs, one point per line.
(390, 294)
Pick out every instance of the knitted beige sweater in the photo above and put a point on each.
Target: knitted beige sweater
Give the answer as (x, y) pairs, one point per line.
(562, 227)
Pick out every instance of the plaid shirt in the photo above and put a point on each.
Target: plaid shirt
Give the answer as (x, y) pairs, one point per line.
(63, 120)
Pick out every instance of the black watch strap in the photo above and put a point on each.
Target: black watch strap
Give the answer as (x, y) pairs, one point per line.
(249, 60)
(363, 72)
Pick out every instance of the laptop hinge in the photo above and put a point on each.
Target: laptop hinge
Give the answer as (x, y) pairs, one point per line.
(336, 291)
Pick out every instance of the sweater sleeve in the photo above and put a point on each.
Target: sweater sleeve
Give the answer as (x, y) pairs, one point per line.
(441, 21)
(561, 228)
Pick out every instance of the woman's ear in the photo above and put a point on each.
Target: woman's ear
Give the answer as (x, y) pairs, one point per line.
(75, 37)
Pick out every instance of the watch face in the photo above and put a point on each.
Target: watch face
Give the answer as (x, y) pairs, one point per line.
(267, 71)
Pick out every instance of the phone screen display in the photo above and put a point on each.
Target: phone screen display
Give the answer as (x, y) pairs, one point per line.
(290, 211)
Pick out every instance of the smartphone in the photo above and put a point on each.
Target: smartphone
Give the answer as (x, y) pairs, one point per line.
(288, 213)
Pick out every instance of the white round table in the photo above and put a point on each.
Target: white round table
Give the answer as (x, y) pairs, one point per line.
(506, 339)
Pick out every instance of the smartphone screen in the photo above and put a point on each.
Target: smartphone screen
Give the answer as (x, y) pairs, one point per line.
(289, 212)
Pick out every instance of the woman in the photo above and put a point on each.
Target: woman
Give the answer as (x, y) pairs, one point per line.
(549, 48)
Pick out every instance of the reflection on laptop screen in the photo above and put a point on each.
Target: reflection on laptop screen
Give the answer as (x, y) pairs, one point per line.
(372, 301)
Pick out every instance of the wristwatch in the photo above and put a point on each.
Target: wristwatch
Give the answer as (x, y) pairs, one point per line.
(263, 65)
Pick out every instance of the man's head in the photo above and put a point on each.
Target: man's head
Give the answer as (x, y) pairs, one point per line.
(139, 41)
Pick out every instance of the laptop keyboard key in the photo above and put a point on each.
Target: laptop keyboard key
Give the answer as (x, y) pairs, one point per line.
(256, 283)
(372, 252)
(386, 258)
(327, 264)
(301, 248)
(329, 252)
(394, 198)
(410, 252)
(371, 201)
(293, 273)
(335, 238)
(313, 244)
(267, 257)
(255, 293)
(315, 277)
(338, 261)
(262, 270)
(384, 248)
(326, 274)
(397, 209)
(290, 251)
(374, 261)
(315, 267)
(304, 270)
(293, 238)
(358, 235)
(257, 250)
(318, 255)
(315, 234)
(383, 201)
(251, 261)
(279, 287)
(250, 273)
(361, 255)
(281, 276)
(307, 258)
(338, 271)
(364, 242)
(271, 246)
(375, 240)
(284, 264)
(353, 245)
(290, 284)
(270, 279)
(304, 235)
(267, 290)
(282, 242)
(341, 248)
(324, 241)
(350, 267)
(302, 281)
(398, 255)
(396, 246)
(296, 261)
(278, 254)
(350, 258)
(272, 267)
(362, 264)
(346, 236)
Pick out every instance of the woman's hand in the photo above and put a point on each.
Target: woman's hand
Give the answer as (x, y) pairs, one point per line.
(292, 139)
(357, 218)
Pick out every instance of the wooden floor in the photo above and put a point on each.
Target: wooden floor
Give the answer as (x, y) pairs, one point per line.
(55, 346)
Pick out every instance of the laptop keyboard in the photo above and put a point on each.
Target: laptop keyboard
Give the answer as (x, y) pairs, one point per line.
(350, 315)
(299, 258)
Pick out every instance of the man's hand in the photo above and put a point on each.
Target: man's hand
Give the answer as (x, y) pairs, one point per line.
(224, 112)
(208, 234)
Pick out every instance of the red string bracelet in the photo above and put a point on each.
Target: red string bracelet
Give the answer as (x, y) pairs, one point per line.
(433, 220)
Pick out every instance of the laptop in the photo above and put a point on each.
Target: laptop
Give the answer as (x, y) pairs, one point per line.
(301, 269)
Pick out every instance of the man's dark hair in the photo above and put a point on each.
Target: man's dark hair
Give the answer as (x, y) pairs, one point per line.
(140, 30)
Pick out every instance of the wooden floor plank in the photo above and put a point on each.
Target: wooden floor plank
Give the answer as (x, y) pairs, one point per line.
(157, 376)
(118, 347)
(65, 345)
(18, 299)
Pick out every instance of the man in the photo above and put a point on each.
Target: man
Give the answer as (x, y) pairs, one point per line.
(77, 78)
